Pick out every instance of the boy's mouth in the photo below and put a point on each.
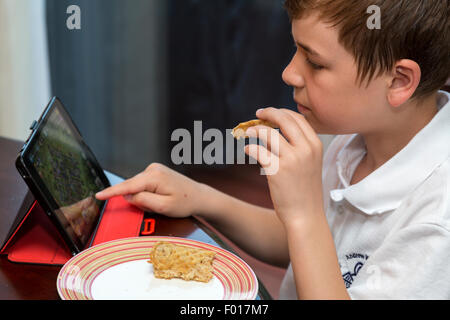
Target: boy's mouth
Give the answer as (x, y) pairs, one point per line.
(302, 109)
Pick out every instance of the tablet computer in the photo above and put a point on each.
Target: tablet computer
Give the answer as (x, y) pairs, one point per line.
(63, 175)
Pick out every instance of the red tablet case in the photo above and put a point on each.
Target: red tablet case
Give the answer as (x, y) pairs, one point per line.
(38, 241)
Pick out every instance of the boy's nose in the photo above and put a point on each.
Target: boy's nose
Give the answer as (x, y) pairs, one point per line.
(292, 75)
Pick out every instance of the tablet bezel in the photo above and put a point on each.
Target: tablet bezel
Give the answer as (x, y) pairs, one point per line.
(40, 190)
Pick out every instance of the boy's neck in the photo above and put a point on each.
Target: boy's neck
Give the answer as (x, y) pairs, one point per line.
(407, 122)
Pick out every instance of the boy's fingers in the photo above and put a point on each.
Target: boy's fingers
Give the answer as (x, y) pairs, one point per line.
(264, 157)
(272, 138)
(122, 188)
(139, 183)
(286, 123)
(302, 123)
(149, 201)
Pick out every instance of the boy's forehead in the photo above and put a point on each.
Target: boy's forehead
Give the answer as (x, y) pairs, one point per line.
(317, 35)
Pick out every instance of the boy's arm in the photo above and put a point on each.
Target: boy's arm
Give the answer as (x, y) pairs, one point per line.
(260, 232)
(313, 258)
(162, 190)
(256, 230)
(296, 192)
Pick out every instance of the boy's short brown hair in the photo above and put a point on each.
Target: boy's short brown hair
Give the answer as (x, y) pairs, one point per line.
(410, 29)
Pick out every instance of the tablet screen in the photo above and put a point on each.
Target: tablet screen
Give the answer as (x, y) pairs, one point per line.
(69, 173)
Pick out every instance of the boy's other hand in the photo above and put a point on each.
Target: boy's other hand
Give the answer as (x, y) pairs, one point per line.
(158, 189)
(296, 185)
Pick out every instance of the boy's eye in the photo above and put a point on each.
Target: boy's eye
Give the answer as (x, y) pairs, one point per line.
(314, 65)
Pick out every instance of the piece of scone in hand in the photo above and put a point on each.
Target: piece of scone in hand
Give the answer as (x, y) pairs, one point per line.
(239, 131)
(174, 261)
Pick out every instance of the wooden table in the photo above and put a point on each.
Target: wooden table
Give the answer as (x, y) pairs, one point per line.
(38, 282)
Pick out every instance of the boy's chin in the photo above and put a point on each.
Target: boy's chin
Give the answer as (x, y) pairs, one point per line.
(321, 129)
(318, 129)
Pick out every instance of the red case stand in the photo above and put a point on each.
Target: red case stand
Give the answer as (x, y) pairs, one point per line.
(38, 241)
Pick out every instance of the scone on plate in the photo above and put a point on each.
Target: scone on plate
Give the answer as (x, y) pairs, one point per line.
(239, 131)
(174, 261)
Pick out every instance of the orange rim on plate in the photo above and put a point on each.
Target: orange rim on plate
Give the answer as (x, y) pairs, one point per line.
(76, 277)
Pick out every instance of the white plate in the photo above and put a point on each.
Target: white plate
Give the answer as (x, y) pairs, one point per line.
(118, 270)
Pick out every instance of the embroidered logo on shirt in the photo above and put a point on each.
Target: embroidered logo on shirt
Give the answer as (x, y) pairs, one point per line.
(353, 262)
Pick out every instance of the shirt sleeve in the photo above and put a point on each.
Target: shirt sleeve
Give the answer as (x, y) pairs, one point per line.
(413, 263)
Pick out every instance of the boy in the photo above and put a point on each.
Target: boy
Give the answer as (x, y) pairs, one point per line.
(372, 219)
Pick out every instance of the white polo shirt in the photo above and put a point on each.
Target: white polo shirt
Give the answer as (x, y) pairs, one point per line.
(391, 229)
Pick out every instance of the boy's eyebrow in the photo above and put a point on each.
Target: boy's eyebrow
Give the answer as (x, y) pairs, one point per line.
(307, 49)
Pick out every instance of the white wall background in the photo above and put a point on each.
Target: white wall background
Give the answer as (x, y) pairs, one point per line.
(24, 73)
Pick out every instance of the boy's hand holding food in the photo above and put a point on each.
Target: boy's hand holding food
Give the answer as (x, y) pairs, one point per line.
(296, 192)
(158, 189)
(296, 185)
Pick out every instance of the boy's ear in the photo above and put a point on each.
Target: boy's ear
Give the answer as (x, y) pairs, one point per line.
(404, 81)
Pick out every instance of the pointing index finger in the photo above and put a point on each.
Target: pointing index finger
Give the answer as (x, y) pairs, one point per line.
(130, 186)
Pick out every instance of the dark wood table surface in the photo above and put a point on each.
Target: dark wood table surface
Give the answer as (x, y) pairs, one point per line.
(38, 282)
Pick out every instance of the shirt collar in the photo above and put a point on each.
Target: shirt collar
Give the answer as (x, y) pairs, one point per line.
(384, 189)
